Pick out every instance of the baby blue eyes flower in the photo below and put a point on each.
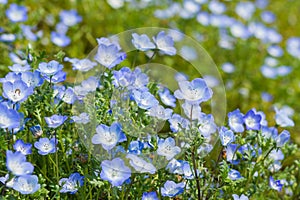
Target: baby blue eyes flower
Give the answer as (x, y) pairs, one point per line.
(165, 43)
(282, 118)
(24, 148)
(16, 13)
(46, 146)
(252, 120)
(140, 164)
(149, 196)
(9, 118)
(234, 175)
(16, 163)
(245, 10)
(19, 68)
(72, 183)
(195, 91)
(26, 184)
(60, 39)
(293, 46)
(36, 130)
(172, 189)
(167, 148)
(135, 147)
(55, 120)
(160, 112)
(70, 17)
(83, 118)
(236, 121)
(144, 99)
(282, 138)
(17, 91)
(178, 123)
(191, 111)
(51, 68)
(32, 79)
(142, 42)
(108, 137)
(242, 197)
(226, 136)
(115, 171)
(167, 98)
(83, 65)
(276, 185)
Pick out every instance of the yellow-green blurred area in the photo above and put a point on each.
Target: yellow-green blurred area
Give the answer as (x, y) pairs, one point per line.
(101, 20)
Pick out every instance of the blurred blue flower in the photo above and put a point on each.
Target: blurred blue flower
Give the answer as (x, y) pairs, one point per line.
(3, 179)
(234, 175)
(149, 196)
(16, 163)
(167, 98)
(206, 124)
(269, 132)
(16, 13)
(267, 97)
(169, 12)
(17, 68)
(3, 1)
(140, 164)
(17, 91)
(275, 51)
(228, 67)
(9, 118)
(268, 17)
(83, 65)
(165, 43)
(24, 148)
(188, 53)
(107, 136)
(7, 37)
(160, 112)
(61, 28)
(282, 118)
(27, 32)
(242, 197)
(144, 99)
(252, 120)
(282, 138)
(172, 189)
(262, 3)
(26, 184)
(82, 118)
(226, 136)
(167, 148)
(276, 155)
(236, 121)
(142, 42)
(115, 171)
(216, 7)
(71, 184)
(70, 17)
(293, 46)
(55, 120)
(276, 185)
(239, 30)
(203, 18)
(245, 10)
(59, 39)
(46, 146)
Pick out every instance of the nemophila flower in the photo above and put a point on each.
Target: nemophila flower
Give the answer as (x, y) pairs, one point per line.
(68, 96)
(3, 1)
(267, 97)
(252, 120)
(3, 179)
(195, 91)
(160, 112)
(32, 79)
(192, 111)
(167, 148)
(17, 68)
(226, 136)
(55, 120)
(236, 121)
(239, 30)
(46, 146)
(180, 167)
(24, 148)
(61, 28)
(60, 39)
(26, 184)
(7, 37)
(188, 53)
(167, 98)
(82, 118)
(179, 76)
(51, 68)
(276, 155)
(16, 163)
(9, 118)
(242, 197)
(282, 118)
(16, 13)
(165, 43)
(228, 67)
(36, 130)
(71, 184)
(115, 171)
(282, 138)
(216, 7)
(275, 51)
(88, 85)
(231, 154)
(17, 91)
(17, 59)
(83, 65)
(245, 10)
(178, 123)
(142, 42)
(108, 137)
(27, 32)
(276, 185)
(234, 175)
(56, 78)
(108, 42)
(144, 99)
(136, 147)
(70, 17)
(268, 17)
(11, 77)
(206, 124)
(140, 164)
(149, 196)
(293, 46)
(172, 189)
(269, 132)
(203, 18)
(109, 55)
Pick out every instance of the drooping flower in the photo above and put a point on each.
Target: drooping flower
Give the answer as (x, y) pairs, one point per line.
(24, 148)
(140, 164)
(165, 43)
(234, 174)
(16, 163)
(282, 118)
(252, 120)
(71, 184)
(276, 185)
(172, 189)
(55, 120)
(108, 137)
(282, 138)
(17, 91)
(236, 121)
(142, 42)
(149, 196)
(36, 130)
(16, 13)
(9, 118)
(192, 111)
(46, 146)
(167, 148)
(206, 124)
(115, 171)
(70, 17)
(226, 136)
(26, 184)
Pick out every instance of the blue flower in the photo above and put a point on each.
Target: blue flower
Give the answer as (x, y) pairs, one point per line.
(72, 183)
(70, 17)
(167, 148)
(228, 67)
(245, 10)
(142, 42)
(231, 153)
(26, 184)
(242, 197)
(276, 185)
(32, 79)
(83, 118)
(51, 68)
(282, 138)
(180, 167)
(165, 43)
(46, 146)
(11, 77)
(55, 120)
(236, 121)
(108, 137)
(17, 68)
(269, 132)
(115, 171)
(109, 55)
(83, 65)
(17, 91)
(3, 179)
(178, 123)
(140, 164)
(293, 46)
(36, 130)
(282, 118)
(206, 124)
(16, 163)
(275, 51)
(149, 196)
(167, 98)
(135, 147)
(192, 111)
(234, 175)
(68, 95)
(160, 112)
(60, 39)
(252, 120)
(144, 99)
(226, 136)
(16, 13)
(24, 148)
(27, 32)
(7, 37)
(195, 91)
(216, 7)
(172, 189)
(3, 1)
(9, 118)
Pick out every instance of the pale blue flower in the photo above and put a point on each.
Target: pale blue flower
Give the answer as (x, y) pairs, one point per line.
(16, 163)
(142, 42)
(245, 10)
(16, 13)
(27, 32)
(293, 46)
(228, 67)
(24, 148)
(7, 37)
(136, 147)
(234, 175)
(226, 136)
(275, 51)
(32, 79)
(242, 197)
(26, 184)
(167, 98)
(160, 112)
(17, 68)
(3, 179)
(83, 118)
(55, 120)
(140, 164)
(268, 17)
(165, 43)
(68, 96)
(56, 78)
(276, 185)
(282, 118)
(167, 148)
(83, 65)
(144, 99)
(192, 111)
(216, 7)
(9, 118)
(203, 18)
(178, 123)
(149, 196)
(70, 17)
(236, 121)
(252, 120)
(109, 55)
(59, 39)
(206, 124)
(46, 146)
(71, 184)
(172, 189)
(51, 68)
(17, 91)
(282, 138)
